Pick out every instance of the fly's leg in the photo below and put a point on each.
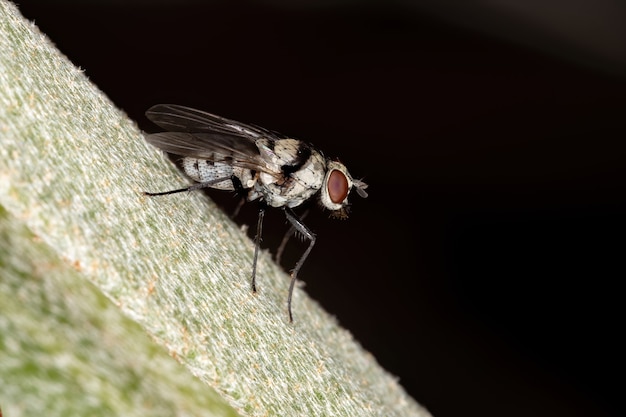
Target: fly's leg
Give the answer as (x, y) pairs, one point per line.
(257, 242)
(283, 243)
(240, 204)
(194, 187)
(306, 232)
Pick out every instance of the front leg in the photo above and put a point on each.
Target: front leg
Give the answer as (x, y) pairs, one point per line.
(297, 224)
(283, 243)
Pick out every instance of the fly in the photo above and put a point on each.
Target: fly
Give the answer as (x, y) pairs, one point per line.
(262, 165)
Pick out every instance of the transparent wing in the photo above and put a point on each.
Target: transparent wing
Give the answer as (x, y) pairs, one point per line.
(208, 146)
(175, 118)
(199, 134)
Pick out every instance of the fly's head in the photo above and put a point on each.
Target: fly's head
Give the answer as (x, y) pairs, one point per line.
(337, 185)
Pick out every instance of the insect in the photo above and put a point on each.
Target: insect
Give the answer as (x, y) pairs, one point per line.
(260, 164)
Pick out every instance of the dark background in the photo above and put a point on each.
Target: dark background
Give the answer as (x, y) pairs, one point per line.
(485, 268)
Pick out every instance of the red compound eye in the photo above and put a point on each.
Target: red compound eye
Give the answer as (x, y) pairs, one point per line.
(337, 186)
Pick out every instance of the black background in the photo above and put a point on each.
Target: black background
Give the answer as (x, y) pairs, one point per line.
(485, 268)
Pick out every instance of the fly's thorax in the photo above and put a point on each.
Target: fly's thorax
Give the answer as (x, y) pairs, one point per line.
(300, 174)
(279, 152)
